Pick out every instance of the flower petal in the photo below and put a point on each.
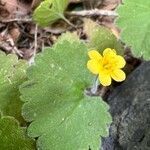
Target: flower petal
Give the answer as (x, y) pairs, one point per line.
(120, 61)
(109, 52)
(93, 66)
(105, 79)
(118, 75)
(93, 54)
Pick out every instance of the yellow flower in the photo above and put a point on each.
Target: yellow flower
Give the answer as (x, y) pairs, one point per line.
(107, 67)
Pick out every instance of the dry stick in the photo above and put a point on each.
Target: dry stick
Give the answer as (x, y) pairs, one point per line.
(14, 48)
(31, 61)
(16, 20)
(9, 44)
(93, 12)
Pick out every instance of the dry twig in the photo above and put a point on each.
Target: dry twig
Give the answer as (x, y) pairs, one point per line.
(8, 44)
(16, 20)
(31, 61)
(14, 48)
(93, 12)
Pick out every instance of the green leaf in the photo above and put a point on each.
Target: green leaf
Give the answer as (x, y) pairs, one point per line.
(62, 116)
(135, 24)
(12, 137)
(101, 37)
(12, 74)
(50, 11)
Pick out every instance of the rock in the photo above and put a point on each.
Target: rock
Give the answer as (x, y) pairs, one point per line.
(130, 110)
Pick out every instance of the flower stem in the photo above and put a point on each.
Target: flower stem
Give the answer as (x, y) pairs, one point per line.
(95, 85)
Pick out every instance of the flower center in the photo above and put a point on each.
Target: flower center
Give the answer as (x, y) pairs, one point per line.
(109, 65)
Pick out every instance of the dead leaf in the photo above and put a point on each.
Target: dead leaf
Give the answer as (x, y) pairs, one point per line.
(110, 4)
(15, 33)
(91, 4)
(10, 5)
(14, 9)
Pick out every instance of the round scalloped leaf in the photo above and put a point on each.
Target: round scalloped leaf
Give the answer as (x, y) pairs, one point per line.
(101, 37)
(50, 11)
(135, 24)
(12, 137)
(61, 116)
(12, 74)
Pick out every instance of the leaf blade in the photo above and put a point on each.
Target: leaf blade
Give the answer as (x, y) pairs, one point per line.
(12, 136)
(58, 100)
(135, 26)
(49, 11)
(12, 74)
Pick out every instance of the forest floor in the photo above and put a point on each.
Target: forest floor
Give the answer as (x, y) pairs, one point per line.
(18, 32)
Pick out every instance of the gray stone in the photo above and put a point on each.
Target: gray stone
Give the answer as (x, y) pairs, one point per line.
(130, 109)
